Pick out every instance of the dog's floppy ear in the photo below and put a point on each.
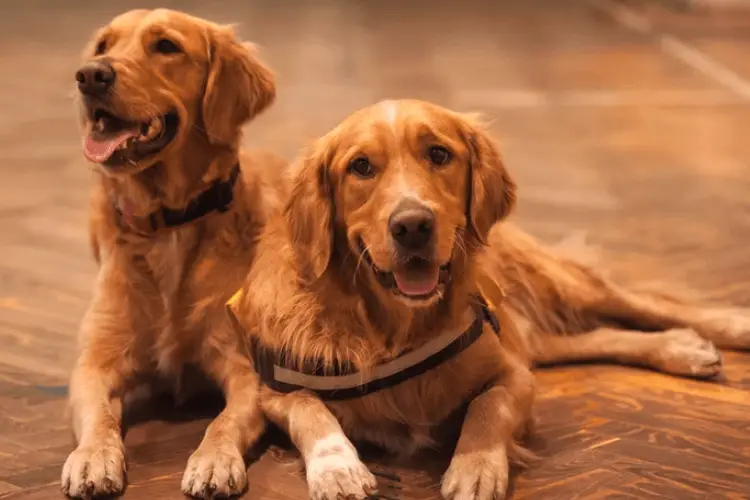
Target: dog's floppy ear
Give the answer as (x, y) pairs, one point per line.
(491, 193)
(238, 86)
(309, 212)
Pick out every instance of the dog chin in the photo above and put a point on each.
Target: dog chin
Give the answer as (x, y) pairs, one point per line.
(125, 170)
(422, 301)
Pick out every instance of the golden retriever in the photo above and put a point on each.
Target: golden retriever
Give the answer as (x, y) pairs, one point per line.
(391, 236)
(174, 221)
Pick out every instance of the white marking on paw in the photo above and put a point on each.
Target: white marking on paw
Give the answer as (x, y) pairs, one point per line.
(335, 471)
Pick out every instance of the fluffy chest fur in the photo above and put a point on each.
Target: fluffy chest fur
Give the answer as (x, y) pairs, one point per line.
(411, 415)
(402, 418)
(174, 285)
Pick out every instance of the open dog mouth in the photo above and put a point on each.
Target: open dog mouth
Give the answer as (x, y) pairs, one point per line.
(113, 141)
(416, 278)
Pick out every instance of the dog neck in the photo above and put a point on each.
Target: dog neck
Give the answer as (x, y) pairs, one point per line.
(172, 182)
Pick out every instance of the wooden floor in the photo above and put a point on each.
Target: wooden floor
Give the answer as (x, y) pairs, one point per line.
(627, 122)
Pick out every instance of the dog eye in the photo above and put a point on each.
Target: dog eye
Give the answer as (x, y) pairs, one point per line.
(101, 47)
(362, 168)
(164, 46)
(439, 155)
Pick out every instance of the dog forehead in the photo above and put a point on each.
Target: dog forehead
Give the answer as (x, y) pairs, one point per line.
(414, 119)
(366, 127)
(390, 127)
(390, 111)
(397, 115)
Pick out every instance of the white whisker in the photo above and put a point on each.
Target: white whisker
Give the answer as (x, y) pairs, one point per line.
(359, 263)
(461, 244)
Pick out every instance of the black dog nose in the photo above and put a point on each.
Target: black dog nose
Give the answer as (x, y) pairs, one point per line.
(95, 77)
(412, 226)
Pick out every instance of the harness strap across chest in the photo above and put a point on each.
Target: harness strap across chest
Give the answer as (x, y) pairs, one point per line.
(283, 373)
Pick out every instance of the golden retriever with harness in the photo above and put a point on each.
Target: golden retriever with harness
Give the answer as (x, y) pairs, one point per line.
(391, 295)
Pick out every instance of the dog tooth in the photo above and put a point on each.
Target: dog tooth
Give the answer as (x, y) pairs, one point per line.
(153, 129)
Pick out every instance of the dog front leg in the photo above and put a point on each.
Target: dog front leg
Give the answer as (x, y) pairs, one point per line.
(479, 468)
(332, 465)
(113, 333)
(217, 468)
(97, 466)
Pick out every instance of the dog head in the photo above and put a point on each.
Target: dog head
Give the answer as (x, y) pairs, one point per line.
(154, 78)
(411, 188)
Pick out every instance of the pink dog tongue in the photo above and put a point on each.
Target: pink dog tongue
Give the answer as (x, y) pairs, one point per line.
(100, 150)
(423, 286)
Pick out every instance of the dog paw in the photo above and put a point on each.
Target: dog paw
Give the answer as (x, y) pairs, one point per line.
(727, 328)
(214, 472)
(91, 472)
(683, 351)
(479, 475)
(338, 473)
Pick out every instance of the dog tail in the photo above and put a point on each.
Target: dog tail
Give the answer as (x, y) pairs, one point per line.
(574, 247)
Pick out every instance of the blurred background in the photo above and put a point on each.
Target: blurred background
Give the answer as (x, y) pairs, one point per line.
(625, 122)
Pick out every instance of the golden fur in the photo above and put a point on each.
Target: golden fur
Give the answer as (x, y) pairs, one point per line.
(159, 303)
(315, 293)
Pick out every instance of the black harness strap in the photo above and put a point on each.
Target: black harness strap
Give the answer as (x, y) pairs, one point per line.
(217, 198)
(268, 360)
